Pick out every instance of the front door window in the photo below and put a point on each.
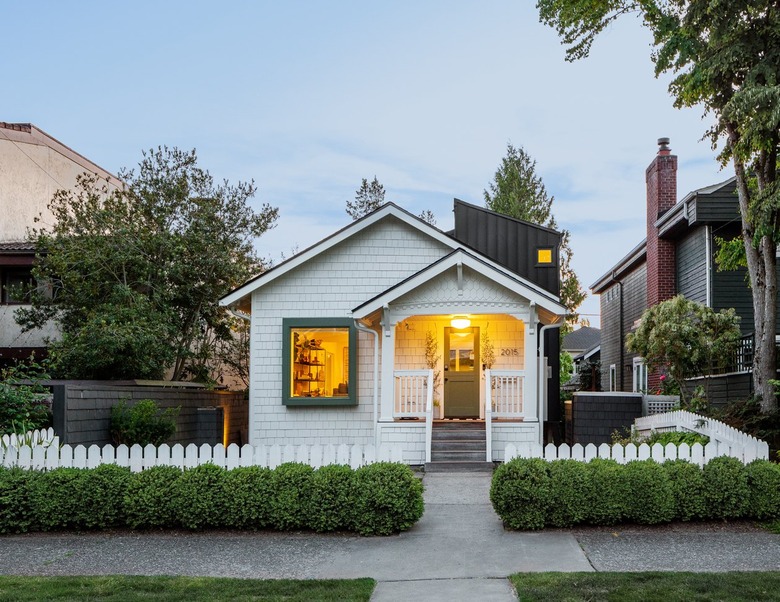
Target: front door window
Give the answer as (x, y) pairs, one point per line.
(461, 373)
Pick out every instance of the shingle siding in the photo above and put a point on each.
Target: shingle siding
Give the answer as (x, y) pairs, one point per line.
(634, 298)
(692, 265)
(328, 285)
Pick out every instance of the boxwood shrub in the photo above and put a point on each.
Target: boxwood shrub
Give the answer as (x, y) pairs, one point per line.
(611, 493)
(250, 490)
(149, 498)
(16, 510)
(687, 485)
(531, 493)
(763, 480)
(651, 500)
(388, 499)
(78, 498)
(521, 493)
(291, 484)
(378, 499)
(725, 488)
(571, 493)
(200, 499)
(333, 491)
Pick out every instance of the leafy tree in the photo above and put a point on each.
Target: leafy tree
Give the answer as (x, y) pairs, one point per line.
(517, 191)
(134, 274)
(685, 338)
(724, 56)
(369, 197)
(567, 368)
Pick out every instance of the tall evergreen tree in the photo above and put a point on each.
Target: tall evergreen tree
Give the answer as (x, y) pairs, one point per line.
(369, 197)
(517, 191)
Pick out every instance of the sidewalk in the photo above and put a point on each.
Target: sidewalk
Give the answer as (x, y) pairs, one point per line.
(458, 551)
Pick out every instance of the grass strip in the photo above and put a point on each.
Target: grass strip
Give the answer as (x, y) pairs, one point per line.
(117, 588)
(647, 587)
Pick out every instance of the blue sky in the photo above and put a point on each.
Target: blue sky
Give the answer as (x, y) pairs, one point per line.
(307, 98)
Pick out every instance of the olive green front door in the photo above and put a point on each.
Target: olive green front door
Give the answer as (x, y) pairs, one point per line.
(461, 372)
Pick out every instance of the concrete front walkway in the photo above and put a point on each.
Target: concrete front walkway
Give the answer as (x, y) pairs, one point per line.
(459, 550)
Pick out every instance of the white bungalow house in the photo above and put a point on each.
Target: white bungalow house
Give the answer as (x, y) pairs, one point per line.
(338, 336)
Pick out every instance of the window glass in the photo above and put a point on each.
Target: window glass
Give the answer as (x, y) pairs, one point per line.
(16, 286)
(319, 362)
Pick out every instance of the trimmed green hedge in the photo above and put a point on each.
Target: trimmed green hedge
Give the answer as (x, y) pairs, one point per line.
(532, 493)
(377, 499)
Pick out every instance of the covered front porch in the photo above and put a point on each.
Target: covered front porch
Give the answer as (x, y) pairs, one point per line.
(460, 342)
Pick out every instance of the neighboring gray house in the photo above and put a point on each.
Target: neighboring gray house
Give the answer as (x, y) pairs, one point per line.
(338, 334)
(677, 257)
(584, 347)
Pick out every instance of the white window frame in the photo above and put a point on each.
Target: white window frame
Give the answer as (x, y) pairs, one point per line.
(612, 377)
(639, 375)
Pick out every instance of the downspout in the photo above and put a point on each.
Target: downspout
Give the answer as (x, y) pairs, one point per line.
(543, 377)
(363, 328)
(708, 264)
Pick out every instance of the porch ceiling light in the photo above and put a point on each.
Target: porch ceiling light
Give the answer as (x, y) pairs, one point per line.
(460, 322)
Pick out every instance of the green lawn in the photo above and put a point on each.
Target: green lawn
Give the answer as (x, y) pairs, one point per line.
(189, 589)
(647, 587)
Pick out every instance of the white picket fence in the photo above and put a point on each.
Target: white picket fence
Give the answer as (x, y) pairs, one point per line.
(42, 437)
(729, 441)
(138, 458)
(696, 453)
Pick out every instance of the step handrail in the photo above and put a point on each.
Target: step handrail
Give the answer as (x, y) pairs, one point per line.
(488, 418)
(429, 417)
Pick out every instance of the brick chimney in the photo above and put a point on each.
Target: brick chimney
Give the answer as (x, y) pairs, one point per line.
(661, 178)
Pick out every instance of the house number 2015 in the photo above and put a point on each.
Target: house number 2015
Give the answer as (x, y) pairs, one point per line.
(508, 351)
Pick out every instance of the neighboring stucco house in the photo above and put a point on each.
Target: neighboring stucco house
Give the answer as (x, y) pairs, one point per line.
(33, 166)
(338, 335)
(677, 257)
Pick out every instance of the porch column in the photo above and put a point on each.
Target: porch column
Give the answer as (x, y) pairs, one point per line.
(388, 367)
(530, 391)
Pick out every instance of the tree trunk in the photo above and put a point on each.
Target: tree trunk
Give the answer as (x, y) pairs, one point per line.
(761, 263)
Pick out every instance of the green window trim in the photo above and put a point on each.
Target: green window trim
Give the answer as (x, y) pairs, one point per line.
(289, 326)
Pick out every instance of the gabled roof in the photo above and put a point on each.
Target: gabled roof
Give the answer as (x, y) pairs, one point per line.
(582, 339)
(687, 212)
(388, 209)
(460, 256)
(27, 133)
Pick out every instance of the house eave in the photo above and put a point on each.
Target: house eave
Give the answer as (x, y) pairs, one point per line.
(636, 256)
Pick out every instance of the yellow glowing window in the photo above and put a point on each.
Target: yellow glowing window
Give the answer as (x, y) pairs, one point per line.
(544, 256)
(318, 362)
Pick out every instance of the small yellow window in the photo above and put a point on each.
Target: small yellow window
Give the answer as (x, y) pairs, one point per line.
(544, 256)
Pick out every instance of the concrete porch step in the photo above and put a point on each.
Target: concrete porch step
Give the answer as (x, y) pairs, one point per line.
(462, 466)
(457, 434)
(458, 424)
(450, 455)
(459, 445)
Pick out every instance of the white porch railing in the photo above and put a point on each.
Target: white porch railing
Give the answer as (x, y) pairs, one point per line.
(505, 390)
(412, 388)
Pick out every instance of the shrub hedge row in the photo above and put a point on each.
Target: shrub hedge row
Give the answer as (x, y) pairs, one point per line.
(534, 493)
(378, 499)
